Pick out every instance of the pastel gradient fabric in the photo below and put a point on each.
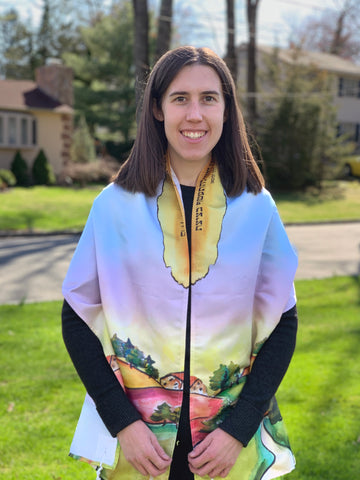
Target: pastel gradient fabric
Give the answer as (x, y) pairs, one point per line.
(129, 280)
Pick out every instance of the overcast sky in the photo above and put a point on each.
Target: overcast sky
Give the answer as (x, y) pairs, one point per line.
(202, 23)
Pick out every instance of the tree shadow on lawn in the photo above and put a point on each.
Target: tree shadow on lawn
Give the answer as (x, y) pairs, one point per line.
(24, 220)
(313, 195)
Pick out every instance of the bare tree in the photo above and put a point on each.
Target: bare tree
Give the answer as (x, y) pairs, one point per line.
(163, 40)
(230, 57)
(141, 46)
(336, 31)
(252, 6)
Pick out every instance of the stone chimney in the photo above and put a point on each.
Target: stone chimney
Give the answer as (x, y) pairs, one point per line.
(56, 80)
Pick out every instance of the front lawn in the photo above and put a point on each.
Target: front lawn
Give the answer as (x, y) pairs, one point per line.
(50, 209)
(41, 396)
(45, 208)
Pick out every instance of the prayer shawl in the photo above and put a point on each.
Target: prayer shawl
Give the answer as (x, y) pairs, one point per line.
(129, 280)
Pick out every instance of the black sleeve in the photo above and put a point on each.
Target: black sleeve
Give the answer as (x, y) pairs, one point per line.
(87, 355)
(266, 375)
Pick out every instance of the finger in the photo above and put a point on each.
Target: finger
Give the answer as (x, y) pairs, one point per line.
(204, 469)
(200, 448)
(225, 472)
(159, 460)
(219, 471)
(203, 457)
(160, 451)
(152, 470)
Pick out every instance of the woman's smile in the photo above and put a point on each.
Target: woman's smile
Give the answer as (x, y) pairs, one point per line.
(193, 135)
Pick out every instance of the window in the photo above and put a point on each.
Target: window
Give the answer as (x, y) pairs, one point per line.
(17, 130)
(12, 134)
(34, 132)
(350, 130)
(24, 131)
(349, 87)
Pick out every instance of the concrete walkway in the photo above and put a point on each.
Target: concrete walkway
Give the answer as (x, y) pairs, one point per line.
(33, 268)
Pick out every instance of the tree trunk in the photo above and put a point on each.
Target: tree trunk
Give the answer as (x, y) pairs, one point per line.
(251, 73)
(337, 41)
(141, 46)
(230, 57)
(164, 29)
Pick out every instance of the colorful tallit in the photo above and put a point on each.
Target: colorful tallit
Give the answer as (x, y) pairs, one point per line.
(129, 280)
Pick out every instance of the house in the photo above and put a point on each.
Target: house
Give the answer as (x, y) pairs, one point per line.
(37, 115)
(344, 73)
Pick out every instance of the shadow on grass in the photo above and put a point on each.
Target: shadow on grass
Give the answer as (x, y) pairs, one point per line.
(313, 195)
(356, 280)
(23, 220)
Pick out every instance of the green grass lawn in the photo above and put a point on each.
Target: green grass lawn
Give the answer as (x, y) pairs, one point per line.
(55, 208)
(41, 396)
(45, 208)
(339, 201)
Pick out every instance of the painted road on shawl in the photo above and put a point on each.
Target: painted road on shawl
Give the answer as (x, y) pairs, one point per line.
(33, 267)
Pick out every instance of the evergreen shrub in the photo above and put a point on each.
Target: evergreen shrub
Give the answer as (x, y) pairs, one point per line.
(20, 169)
(42, 171)
(82, 148)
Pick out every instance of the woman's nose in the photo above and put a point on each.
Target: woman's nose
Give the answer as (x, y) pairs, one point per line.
(194, 112)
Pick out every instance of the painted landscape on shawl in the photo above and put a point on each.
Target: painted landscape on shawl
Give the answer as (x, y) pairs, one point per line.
(158, 399)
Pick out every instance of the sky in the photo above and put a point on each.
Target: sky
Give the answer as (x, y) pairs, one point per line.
(203, 23)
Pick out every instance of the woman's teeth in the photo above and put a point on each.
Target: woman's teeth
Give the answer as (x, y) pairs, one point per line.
(193, 134)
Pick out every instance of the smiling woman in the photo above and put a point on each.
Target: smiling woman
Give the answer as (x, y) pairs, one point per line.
(181, 319)
(214, 82)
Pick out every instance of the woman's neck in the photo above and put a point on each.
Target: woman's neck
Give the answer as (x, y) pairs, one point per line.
(187, 172)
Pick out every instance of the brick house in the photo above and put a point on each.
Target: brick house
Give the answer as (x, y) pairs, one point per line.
(344, 74)
(37, 115)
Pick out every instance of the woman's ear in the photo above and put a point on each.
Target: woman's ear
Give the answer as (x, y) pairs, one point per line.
(157, 112)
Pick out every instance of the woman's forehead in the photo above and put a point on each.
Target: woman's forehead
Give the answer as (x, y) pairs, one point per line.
(199, 77)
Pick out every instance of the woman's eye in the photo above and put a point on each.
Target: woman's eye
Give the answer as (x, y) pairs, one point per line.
(180, 99)
(209, 99)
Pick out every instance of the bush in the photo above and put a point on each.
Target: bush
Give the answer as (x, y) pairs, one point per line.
(20, 170)
(83, 147)
(41, 171)
(118, 150)
(298, 126)
(99, 171)
(7, 178)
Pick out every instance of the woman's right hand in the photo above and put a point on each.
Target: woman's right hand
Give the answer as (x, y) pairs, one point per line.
(142, 449)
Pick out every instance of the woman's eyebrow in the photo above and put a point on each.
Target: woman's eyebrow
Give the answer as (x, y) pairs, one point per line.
(173, 94)
(205, 92)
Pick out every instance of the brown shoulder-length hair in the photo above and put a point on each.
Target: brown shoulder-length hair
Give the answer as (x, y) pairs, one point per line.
(145, 167)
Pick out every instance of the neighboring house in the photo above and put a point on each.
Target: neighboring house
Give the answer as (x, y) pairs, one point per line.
(345, 75)
(37, 115)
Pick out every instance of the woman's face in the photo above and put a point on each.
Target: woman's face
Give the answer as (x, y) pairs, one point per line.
(192, 109)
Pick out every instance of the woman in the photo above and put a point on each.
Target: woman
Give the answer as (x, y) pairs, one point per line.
(184, 274)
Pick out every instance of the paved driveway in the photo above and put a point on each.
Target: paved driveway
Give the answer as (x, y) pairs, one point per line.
(33, 268)
(326, 250)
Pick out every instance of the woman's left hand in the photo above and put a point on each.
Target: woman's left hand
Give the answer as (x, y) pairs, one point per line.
(215, 455)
